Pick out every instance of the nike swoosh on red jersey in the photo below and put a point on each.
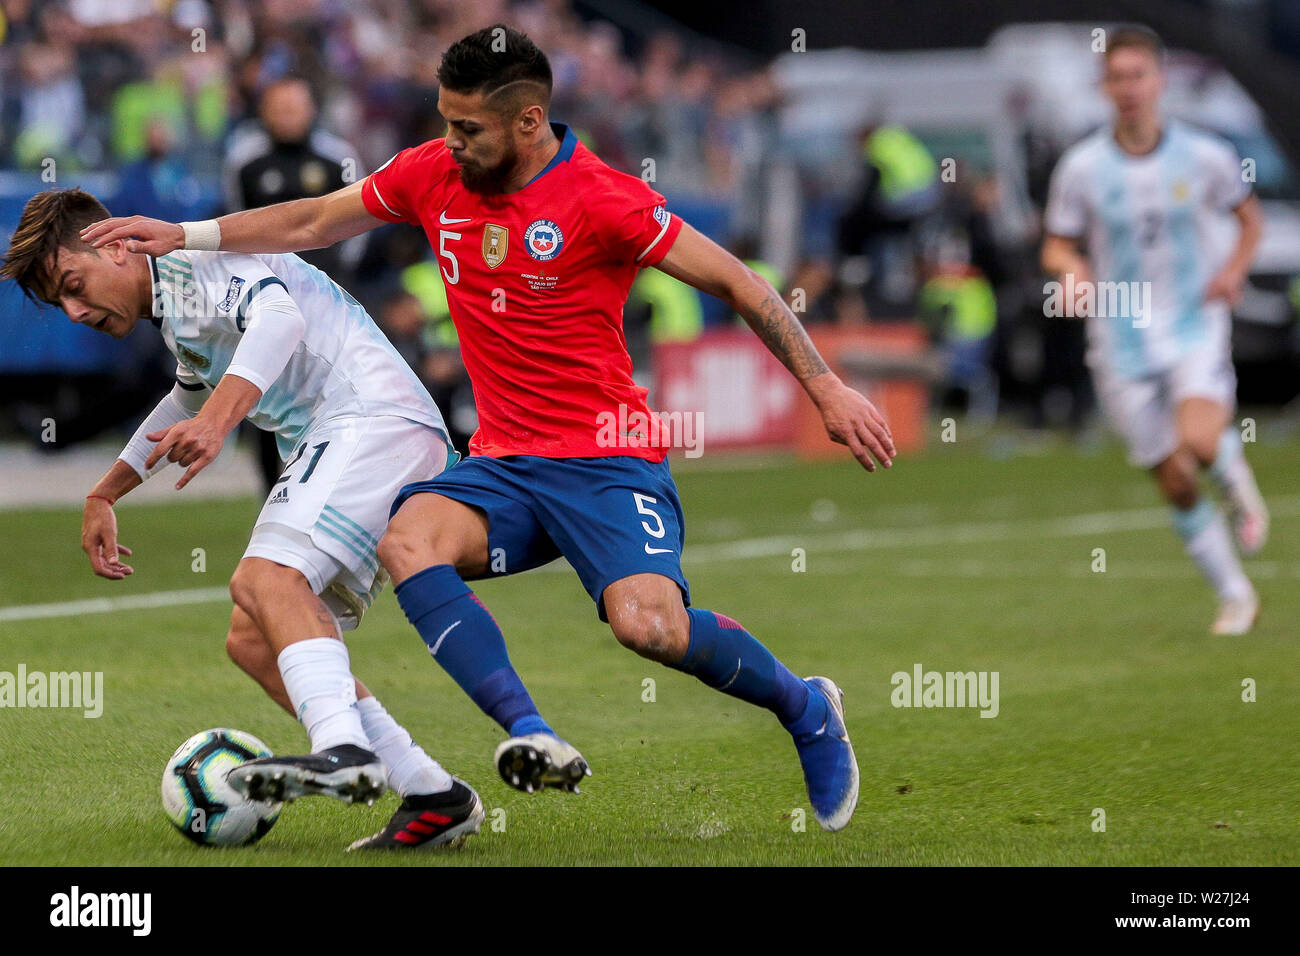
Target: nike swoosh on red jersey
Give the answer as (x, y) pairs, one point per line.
(443, 220)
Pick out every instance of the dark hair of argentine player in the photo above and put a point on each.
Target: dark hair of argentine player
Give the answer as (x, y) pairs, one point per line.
(51, 220)
(1134, 36)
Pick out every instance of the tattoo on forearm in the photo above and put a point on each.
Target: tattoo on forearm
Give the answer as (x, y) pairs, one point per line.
(786, 338)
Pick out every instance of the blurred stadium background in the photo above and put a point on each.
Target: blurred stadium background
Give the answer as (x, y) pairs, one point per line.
(884, 164)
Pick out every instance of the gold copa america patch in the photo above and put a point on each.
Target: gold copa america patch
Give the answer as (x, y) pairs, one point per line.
(495, 240)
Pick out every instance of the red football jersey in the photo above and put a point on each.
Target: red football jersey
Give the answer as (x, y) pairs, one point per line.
(536, 281)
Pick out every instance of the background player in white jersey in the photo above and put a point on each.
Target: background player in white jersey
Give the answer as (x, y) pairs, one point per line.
(355, 424)
(1141, 212)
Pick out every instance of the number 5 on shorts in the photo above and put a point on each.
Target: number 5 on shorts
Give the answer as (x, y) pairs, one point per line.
(658, 531)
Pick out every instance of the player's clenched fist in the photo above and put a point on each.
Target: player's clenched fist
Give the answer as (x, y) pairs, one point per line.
(99, 540)
(150, 236)
(193, 444)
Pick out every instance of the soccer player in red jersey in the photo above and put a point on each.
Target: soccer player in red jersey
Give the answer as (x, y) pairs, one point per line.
(538, 243)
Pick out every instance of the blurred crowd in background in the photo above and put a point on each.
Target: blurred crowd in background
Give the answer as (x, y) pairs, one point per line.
(192, 108)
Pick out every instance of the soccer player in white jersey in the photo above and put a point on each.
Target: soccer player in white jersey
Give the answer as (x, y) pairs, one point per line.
(272, 339)
(1142, 212)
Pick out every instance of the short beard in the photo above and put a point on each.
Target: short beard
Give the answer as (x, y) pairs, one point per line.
(489, 182)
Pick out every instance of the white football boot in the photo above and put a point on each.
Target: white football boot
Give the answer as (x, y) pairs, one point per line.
(536, 761)
(1236, 616)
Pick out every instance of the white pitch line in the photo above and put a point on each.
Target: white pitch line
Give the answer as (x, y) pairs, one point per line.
(129, 602)
(1099, 522)
(1168, 570)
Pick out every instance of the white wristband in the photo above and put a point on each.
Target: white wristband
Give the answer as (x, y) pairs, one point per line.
(205, 235)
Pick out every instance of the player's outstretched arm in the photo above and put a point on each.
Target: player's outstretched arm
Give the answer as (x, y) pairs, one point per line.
(99, 523)
(284, 227)
(849, 418)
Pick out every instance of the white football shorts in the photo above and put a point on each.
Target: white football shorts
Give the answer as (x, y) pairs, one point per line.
(329, 507)
(1143, 410)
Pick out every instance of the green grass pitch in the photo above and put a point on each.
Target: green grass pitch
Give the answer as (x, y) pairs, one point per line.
(1112, 694)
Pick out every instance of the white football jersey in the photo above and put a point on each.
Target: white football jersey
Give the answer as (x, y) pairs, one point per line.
(343, 367)
(1163, 219)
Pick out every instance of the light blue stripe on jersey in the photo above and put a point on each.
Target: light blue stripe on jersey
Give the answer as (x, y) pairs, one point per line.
(1180, 166)
(360, 544)
(175, 265)
(178, 280)
(1130, 354)
(360, 533)
(342, 527)
(174, 268)
(173, 275)
(367, 561)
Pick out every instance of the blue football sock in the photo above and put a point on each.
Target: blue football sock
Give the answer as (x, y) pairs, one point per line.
(463, 637)
(728, 658)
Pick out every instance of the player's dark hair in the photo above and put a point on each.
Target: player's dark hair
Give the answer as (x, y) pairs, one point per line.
(1134, 36)
(51, 220)
(289, 79)
(489, 60)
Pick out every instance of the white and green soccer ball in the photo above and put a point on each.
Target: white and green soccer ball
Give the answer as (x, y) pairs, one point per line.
(198, 800)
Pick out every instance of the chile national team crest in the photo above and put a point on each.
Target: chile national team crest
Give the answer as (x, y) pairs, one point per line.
(543, 239)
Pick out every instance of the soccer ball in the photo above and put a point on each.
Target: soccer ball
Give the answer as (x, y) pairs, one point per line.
(199, 802)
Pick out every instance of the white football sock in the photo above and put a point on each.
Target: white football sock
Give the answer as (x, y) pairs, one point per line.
(1232, 473)
(1206, 538)
(410, 769)
(323, 692)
